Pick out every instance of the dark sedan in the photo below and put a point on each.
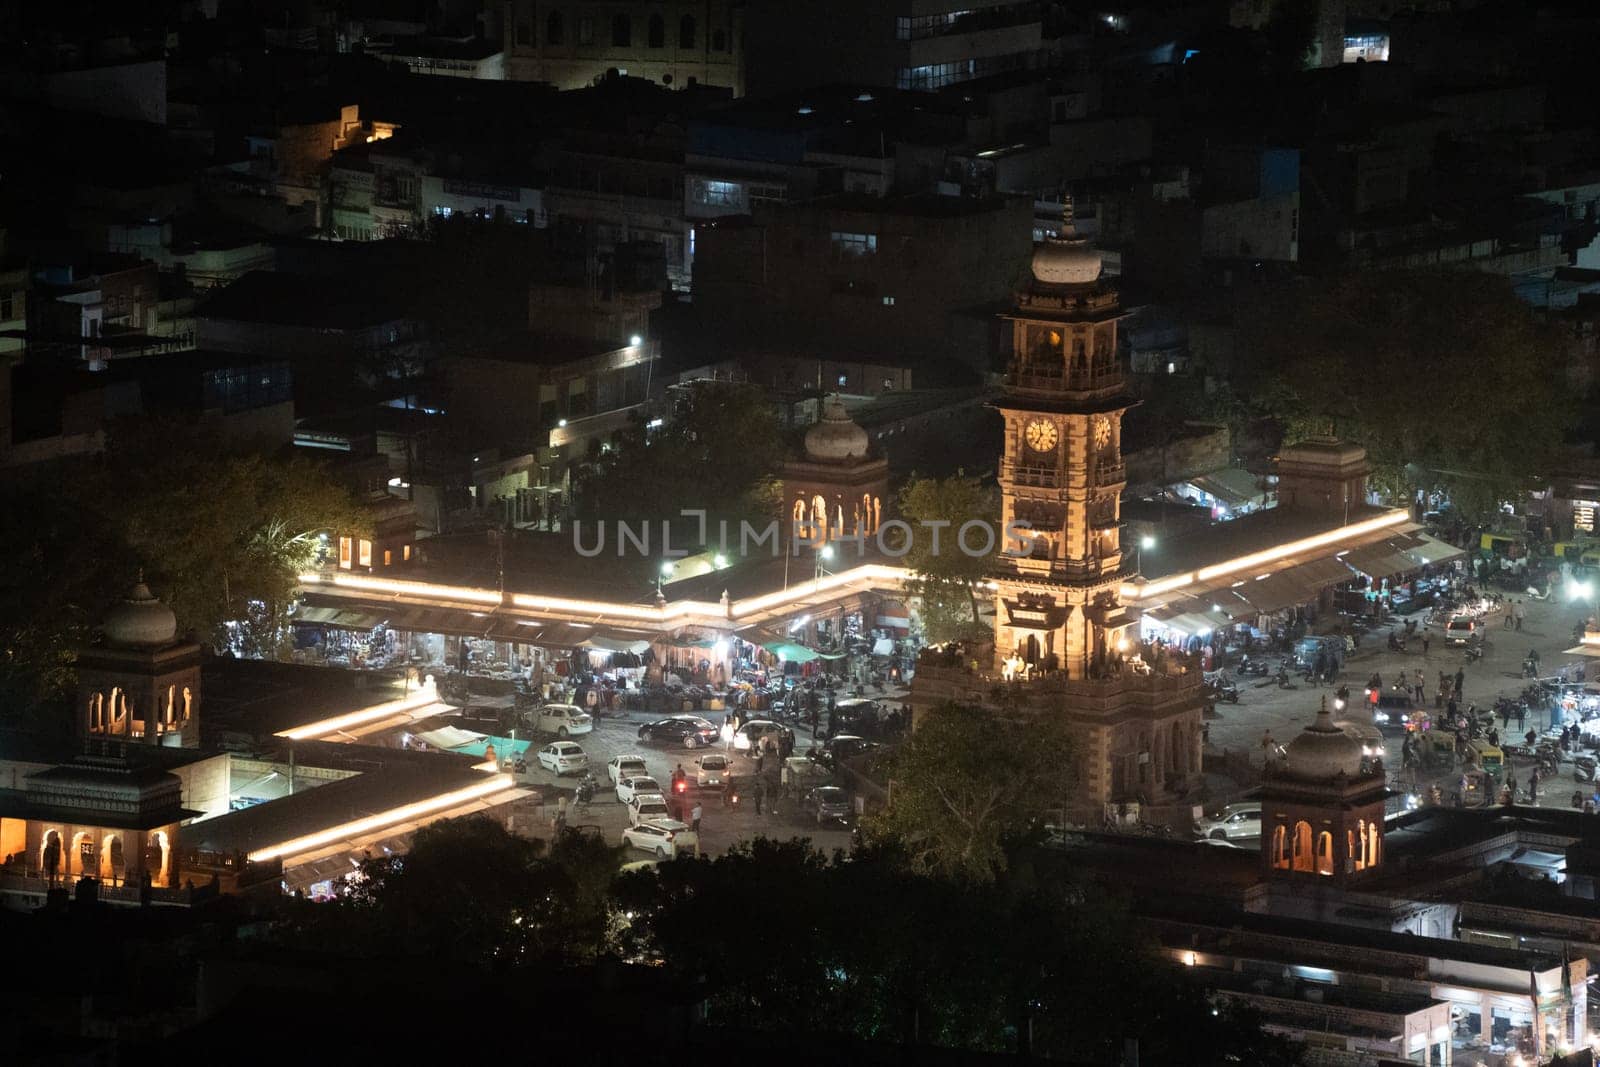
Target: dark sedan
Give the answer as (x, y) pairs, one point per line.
(691, 731)
(829, 803)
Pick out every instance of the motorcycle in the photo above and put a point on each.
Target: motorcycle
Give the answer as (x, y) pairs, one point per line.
(1474, 653)
(1254, 668)
(1530, 667)
(1583, 768)
(1283, 678)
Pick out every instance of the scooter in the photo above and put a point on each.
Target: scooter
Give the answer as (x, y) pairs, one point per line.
(1226, 692)
(1474, 653)
(1583, 768)
(1283, 678)
(1254, 668)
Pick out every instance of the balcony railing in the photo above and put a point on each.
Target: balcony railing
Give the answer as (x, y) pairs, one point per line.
(1080, 381)
(1110, 473)
(1033, 475)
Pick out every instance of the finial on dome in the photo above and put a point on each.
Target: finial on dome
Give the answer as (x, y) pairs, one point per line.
(1069, 226)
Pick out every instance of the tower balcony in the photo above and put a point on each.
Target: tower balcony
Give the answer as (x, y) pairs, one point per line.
(1110, 473)
(1036, 476)
(1149, 691)
(1036, 379)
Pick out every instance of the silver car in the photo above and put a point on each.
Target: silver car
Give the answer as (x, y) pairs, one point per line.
(1242, 820)
(830, 803)
(711, 772)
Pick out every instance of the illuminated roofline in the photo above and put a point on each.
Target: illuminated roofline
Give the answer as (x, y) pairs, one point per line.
(444, 801)
(427, 694)
(1133, 592)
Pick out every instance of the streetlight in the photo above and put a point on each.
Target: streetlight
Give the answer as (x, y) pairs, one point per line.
(665, 572)
(825, 552)
(1138, 558)
(636, 340)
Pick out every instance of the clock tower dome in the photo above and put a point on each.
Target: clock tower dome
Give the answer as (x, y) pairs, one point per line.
(1062, 473)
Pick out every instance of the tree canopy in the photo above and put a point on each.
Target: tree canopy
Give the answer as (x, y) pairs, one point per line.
(946, 576)
(220, 533)
(970, 781)
(719, 452)
(1446, 378)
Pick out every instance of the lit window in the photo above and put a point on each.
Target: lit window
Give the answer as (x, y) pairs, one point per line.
(405, 552)
(388, 558)
(344, 552)
(854, 244)
(366, 553)
(843, 379)
(888, 301)
(717, 194)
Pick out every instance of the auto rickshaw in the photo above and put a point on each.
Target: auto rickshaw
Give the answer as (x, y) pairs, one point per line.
(1437, 749)
(1483, 756)
(1503, 545)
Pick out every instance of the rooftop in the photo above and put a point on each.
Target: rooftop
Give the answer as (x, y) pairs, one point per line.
(1240, 537)
(275, 298)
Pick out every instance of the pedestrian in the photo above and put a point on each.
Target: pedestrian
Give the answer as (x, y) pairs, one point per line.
(1509, 615)
(1319, 670)
(1522, 716)
(1425, 640)
(694, 817)
(1533, 786)
(1421, 688)
(761, 793)
(1505, 716)
(1521, 612)
(1461, 676)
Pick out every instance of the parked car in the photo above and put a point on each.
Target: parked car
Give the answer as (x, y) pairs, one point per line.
(711, 771)
(847, 746)
(646, 806)
(1232, 822)
(858, 715)
(749, 736)
(828, 802)
(628, 788)
(1463, 630)
(657, 836)
(563, 757)
(564, 720)
(626, 766)
(689, 730)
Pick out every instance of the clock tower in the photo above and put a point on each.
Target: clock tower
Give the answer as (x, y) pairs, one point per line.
(1057, 608)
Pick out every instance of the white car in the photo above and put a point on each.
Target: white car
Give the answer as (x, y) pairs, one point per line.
(564, 720)
(1463, 630)
(628, 788)
(1231, 823)
(750, 735)
(628, 766)
(646, 807)
(711, 772)
(658, 836)
(563, 757)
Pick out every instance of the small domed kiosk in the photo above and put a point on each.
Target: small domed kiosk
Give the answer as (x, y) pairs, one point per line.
(836, 488)
(141, 683)
(1322, 806)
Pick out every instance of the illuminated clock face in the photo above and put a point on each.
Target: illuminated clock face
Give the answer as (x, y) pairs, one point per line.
(1102, 432)
(1041, 435)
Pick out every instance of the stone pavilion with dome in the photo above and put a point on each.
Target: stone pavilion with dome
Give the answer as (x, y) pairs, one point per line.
(836, 487)
(141, 684)
(1322, 807)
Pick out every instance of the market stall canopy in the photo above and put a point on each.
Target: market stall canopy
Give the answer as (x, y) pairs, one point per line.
(1195, 624)
(1231, 485)
(543, 634)
(1431, 550)
(1383, 559)
(450, 738)
(607, 642)
(503, 747)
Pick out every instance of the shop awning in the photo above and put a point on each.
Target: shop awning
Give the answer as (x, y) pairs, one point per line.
(564, 635)
(1431, 550)
(791, 652)
(1231, 485)
(318, 616)
(1194, 624)
(450, 738)
(1278, 592)
(605, 642)
(1380, 560)
(354, 620)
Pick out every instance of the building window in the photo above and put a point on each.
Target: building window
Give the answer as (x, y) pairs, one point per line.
(656, 36)
(1302, 847)
(388, 557)
(8, 307)
(888, 301)
(405, 552)
(1325, 853)
(844, 379)
(719, 41)
(686, 32)
(717, 194)
(586, 30)
(555, 30)
(847, 245)
(344, 552)
(888, 383)
(938, 75)
(769, 193)
(365, 555)
(621, 31)
(1583, 515)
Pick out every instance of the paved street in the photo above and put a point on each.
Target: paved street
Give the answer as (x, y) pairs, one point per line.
(720, 827)
(1263, 706)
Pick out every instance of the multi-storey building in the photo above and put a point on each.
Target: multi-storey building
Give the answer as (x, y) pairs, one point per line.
(574, 43)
